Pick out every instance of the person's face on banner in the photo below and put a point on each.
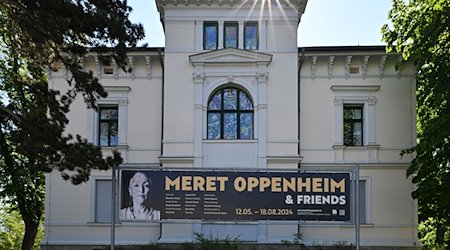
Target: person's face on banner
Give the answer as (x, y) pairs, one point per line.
(139, 188)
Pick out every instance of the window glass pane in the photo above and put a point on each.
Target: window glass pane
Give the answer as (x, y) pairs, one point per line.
(104, 134)
(103, 201)
(108, 114)
(357, 134)
(210, 36)
(216, 102)
(213, 126)
(251, 37)
(246, 126)
(353, 125)
(108, 129)
(244, 101)
(348, 134)
(230, 115)
(113, 135)
(357, 113)
(230, 99)
(231, 35)
(230, 126)
(347, 113)
(353, 113)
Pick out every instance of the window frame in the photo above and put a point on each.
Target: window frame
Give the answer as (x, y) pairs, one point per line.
(94, 207)
(110, 122)
(117, 96)
(352, 121)
(108, 70)
(249, 24)
(238, 111)
(236, 26)
(210, 24)
(365, 200)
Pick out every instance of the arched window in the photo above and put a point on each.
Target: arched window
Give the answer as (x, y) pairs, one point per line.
(230, 115)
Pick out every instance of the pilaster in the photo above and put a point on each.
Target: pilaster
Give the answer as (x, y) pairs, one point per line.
(241, 35)
(199, 79)
(262, 77)
(220, 33)
(338, 120)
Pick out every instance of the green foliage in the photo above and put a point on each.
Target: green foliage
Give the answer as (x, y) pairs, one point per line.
(12, 230)
(338, 245)
(296, 240)
(36, 36)
(208, 243)
(427, 235)
(420, 31)
(203, 243)
(143, 247)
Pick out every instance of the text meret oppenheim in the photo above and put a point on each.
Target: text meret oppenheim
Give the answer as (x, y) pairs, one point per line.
(262, 184)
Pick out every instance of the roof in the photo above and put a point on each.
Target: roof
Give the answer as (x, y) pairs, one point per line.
(310, 49)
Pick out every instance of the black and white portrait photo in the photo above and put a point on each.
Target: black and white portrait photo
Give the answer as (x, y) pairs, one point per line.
(136, 201)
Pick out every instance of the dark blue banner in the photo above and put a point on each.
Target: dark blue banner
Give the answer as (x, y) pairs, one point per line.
(230, 196)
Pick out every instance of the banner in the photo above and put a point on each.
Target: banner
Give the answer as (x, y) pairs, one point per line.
(230, 196)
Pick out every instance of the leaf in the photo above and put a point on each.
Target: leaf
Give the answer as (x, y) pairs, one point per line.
(421, 32)
(36, 35)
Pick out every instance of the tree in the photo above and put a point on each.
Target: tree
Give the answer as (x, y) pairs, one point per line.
(12, 229)
(420, 31)
(37, 35)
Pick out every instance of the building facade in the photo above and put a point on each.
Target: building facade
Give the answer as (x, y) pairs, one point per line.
(295, 109)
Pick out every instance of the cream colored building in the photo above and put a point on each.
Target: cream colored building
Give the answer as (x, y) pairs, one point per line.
(301, 99)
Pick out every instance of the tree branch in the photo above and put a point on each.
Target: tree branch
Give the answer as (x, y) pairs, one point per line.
(10, 114)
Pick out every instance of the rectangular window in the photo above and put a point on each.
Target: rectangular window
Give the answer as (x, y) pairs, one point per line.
(362, 202)
(103, 201)
(230, 35)
(108, 126)
(210, 35)
(251, 36)
(353, 125)
(108, 70)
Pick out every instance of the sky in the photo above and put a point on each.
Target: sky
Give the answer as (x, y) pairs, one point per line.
(324, 23)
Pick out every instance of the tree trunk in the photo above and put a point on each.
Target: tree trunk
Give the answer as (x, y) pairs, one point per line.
(31, 228)
(440, 234)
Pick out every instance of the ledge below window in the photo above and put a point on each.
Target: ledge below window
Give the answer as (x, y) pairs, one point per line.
(366, 147)
(122, 149)
(118, 147)
(284, 159)
(368, 153)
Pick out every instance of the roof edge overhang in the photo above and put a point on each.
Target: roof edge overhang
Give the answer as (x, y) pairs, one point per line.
(298, 5)
(344, 50)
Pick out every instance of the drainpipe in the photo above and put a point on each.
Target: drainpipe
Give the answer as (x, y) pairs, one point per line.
(161, 60)
(300, 64)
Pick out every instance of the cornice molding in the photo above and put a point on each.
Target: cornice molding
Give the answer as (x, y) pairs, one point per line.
(355, 64)
(370, 88)
(230, 55)
(299, 4)
(117, 89)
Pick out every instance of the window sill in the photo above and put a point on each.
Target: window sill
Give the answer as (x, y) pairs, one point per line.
(118, 147)
(102, 224)
(321, 224)
(356, 148)
(363, 225)
(230, 141)
(123, 223)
